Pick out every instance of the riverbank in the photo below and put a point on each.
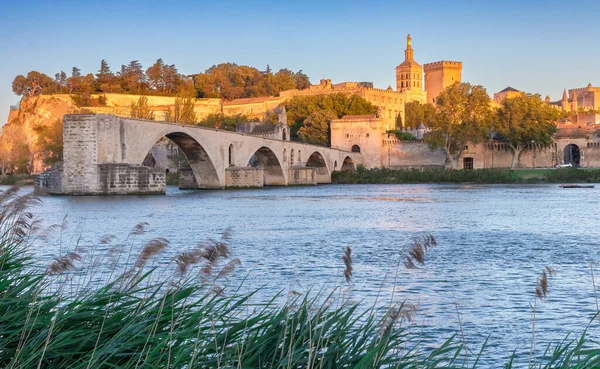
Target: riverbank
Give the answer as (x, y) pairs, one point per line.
(18, 180)
(484, 176)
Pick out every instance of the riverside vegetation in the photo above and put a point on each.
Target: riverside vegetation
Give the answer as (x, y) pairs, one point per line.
(182, 316)
(484, 176)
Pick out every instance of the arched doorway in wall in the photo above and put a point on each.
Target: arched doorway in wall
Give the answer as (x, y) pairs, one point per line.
(573, 155)
(317, 161)
(266, 159)
(355, 148)
(284, 134)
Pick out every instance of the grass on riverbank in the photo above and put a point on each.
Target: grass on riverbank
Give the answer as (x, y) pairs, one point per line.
(19, 180)
(143, 319)
(484, 176)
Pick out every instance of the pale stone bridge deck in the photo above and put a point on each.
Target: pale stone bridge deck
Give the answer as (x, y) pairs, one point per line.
(103, 154)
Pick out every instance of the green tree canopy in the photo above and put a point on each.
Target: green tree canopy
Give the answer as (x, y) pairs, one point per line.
(299, 108)
(416, 113)
(184, 110)
(523, 120)
(141, 109)
(50, 141)
(315, 129)
(463, 115)
(222, 121)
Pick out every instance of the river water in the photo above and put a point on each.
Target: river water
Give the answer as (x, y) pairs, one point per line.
(493, 240)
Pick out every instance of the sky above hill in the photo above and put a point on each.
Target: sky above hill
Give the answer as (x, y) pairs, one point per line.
(532, 45)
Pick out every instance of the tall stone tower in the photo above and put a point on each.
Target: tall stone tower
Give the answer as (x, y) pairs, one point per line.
(409, 74)
(440, 75)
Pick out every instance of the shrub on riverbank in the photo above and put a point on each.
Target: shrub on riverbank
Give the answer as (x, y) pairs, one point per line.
(143, 318)
(484, 176)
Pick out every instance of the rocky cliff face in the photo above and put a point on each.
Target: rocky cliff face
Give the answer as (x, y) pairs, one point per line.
(38, 111)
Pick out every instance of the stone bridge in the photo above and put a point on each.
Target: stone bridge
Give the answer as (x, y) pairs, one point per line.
(103, 154)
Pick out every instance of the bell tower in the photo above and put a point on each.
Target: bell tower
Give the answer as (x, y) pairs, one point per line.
(409, 74)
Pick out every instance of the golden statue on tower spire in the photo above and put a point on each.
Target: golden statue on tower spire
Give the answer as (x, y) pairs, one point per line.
(408, 41)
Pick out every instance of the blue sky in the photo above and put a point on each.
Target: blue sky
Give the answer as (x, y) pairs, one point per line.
(536, 46)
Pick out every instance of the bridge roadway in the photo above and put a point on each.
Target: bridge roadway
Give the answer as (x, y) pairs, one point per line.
(103, 154)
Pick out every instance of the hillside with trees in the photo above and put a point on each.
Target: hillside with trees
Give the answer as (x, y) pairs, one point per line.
(227, 81)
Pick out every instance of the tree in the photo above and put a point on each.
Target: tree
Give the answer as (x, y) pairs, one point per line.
(133, 78)
(463, 116)
(76, 72)
(299, 108)
(301, 80)
(222, 121)
(523, 120)
(34, 84)
(105, 79)
(155, 74)
(316, 128)
(49, 141)
(417, 113)
(141, 109)
(184, 110)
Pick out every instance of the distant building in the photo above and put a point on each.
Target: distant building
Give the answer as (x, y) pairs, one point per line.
(439, 76)
(507, 93)
(583, 102)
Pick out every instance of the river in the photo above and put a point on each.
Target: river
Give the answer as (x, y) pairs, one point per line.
(493, 240)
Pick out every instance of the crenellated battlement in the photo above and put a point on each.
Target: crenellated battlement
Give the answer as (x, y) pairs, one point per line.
(442, 64)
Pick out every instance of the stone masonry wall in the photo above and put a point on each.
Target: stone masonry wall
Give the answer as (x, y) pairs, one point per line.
(187, 180)
(80, 154)
(243, 177)
(125, 179)
(301, 176)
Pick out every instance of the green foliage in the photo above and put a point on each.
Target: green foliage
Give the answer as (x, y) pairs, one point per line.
(524, 119)
(417, 113)
(141, 109)
(402, 136)
(463, 115)
(299, 108)
(315, 129)
(222, 121)
(102, 100)
(184, 111)
(228, 81)
(231, 81)
(50, 142)
(488, 176)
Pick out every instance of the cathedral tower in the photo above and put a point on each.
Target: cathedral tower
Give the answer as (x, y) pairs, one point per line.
(409, 74)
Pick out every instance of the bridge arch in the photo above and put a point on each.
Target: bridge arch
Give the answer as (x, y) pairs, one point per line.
(322, 173)
(348, 164)
(266, 159)
(201, 164)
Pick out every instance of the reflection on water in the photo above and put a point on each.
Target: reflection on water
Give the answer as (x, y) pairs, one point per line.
(492, 242)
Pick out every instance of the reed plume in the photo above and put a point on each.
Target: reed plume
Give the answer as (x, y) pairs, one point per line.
(347, 259)
(151, 249)
(541, 288)
(64, 263)
(416, 252)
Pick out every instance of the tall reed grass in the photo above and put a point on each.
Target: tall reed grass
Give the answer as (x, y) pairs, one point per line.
(140, 318)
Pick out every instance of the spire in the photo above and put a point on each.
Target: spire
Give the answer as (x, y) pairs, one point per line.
(565, 98)
(408, 53)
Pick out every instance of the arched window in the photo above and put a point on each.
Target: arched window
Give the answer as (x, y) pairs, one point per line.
(123, 151)
(402, 84)
(292, 157)
(231, 158)
(284, 134)
(285, 155)
(335, 164)
(299, 156)
(355, 148)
